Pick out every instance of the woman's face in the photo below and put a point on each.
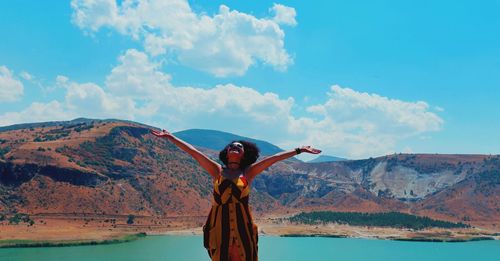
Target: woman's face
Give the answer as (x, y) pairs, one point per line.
(235, 152)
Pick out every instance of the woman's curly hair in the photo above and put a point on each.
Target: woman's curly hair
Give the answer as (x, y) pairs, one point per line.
(250, 154)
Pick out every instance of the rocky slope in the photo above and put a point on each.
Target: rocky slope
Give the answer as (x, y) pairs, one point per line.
(117, 167)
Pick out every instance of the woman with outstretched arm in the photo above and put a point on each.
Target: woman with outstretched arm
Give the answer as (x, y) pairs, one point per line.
(229, 232)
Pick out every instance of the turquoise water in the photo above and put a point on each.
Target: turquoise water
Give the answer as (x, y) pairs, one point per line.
(270, 248)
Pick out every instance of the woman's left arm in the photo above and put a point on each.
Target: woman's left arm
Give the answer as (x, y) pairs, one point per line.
(260, 166)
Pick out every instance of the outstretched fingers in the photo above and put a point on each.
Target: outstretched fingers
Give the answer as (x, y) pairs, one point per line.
(310, 149)
(315, 151)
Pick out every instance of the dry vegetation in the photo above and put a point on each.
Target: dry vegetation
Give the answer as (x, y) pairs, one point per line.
(81, 181)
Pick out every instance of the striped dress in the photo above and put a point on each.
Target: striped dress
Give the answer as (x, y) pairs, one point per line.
(230, 221)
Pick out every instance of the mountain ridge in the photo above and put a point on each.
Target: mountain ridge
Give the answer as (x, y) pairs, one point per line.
(216, 140)
(118, 167)
(326, 158)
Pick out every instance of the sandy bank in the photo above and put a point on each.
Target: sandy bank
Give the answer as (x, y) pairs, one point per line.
(58, 231)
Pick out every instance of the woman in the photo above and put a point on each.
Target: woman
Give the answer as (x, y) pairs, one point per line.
(229, 233)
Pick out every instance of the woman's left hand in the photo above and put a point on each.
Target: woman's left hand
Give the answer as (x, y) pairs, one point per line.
(309, 149)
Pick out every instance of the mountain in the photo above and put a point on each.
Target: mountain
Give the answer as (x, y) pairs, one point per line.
(109, 167)
(450, 187)
(217, 140)
(45, 124)
(100, 166)
(326, 158)
(212, 141)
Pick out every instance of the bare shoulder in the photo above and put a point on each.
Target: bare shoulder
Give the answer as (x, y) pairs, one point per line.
(249, 178)
(218, 172)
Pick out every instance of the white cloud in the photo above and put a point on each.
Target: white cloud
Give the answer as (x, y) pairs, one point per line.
(136, 76)
(81, 100)
(349, 123)
(91, 100)
(360, 124)
(391, 116)
(11, 89)
(284, 14)
(224, 44)
(37, 112)
(228, 107)
(94, 14)
(139, 79)
(439, 109)
(25, 75)
(61, 80)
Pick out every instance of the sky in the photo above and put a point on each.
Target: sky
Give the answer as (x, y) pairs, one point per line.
(356, 79)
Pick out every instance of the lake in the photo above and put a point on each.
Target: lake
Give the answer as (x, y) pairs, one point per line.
(190, 248)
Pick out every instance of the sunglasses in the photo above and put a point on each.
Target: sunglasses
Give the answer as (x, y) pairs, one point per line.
(235, 146)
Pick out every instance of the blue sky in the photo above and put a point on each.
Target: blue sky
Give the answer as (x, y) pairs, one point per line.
(356, 79)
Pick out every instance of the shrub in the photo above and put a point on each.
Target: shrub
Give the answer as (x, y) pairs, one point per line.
(387, 219)
(4, 151)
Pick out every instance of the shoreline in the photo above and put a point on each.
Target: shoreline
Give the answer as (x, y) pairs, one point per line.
(377, 233)
(443, 240)
(26, 243)
(436, 238)
(66, 231)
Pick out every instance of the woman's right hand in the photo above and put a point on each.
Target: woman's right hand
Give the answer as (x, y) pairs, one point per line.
(212, 167)
(161, 134)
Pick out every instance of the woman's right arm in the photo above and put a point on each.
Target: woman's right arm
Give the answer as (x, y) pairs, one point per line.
(213, 168)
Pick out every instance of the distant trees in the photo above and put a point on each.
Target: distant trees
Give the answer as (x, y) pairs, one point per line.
(63, 132)
(4, 151)
(387, 219)
(20, 217)
(83, 127)
(130, 219)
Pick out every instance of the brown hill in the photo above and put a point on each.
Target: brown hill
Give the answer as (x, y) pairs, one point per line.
(117, 167)
(101, 167)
